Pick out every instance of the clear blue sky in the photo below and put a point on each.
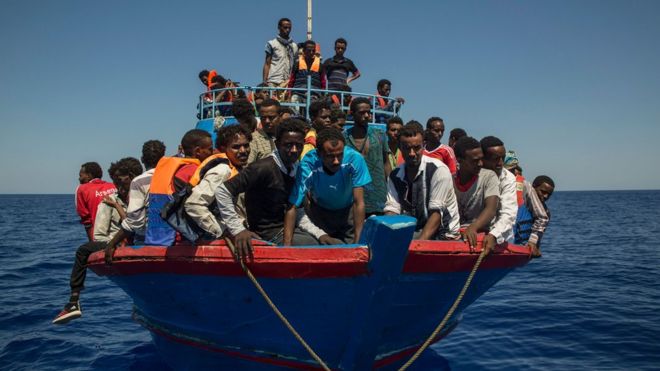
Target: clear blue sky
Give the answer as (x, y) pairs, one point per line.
(572, 86)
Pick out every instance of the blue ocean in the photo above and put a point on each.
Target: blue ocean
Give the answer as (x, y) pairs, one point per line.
(591, 302)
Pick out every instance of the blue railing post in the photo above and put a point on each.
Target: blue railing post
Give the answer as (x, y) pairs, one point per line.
(309, 96)
(373, 109)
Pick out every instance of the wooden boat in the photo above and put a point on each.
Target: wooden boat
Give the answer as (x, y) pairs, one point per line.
(360, 306)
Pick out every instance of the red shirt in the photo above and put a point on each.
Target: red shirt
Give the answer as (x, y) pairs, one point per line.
(88, 198)
(445, 154)
(186, 172)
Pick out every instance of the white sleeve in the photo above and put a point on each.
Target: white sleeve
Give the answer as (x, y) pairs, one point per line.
(230, 217)
(306, 225)
(502, 229)
(392, 202)
(203, 195)
(443, 199)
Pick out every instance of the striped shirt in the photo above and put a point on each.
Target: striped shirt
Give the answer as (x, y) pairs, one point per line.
(539, 212)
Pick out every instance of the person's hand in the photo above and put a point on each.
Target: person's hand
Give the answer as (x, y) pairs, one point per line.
(243, 244)
(109, 252)
(488, 244)
(470, 236)
(400, 100)
(536, 252)
(327, 240)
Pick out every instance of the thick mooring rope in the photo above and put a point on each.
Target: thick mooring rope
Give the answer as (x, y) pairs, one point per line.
(448, 315)
(272, 305)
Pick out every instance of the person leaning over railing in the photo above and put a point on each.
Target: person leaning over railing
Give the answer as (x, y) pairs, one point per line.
(383, 103)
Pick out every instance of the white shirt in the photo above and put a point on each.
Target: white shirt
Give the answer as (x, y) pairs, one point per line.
(136, 213)
(502, 228)
(442, 196)
(203, 195)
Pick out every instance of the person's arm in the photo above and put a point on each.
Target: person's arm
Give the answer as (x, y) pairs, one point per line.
(202, 196)
(432, 224)
(386, 155)
(267, 61)
(482, 221)
(502, 229)
(323, 77)
(307, 225)
(358, 212)
(135, 212)
(541, 219)
(102, 222)
(355, 73)
(392, 205)
(225, 195)
(289, 225)
(112, 244)
(83, 210)
(114, 203)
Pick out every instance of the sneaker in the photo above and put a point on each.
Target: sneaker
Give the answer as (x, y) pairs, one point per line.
(70, 312)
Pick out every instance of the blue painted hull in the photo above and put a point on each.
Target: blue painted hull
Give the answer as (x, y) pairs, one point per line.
(373, 318)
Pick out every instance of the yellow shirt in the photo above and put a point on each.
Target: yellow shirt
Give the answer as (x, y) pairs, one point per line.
(310, 142)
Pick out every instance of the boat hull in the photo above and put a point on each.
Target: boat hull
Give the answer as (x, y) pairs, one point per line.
(357, 306)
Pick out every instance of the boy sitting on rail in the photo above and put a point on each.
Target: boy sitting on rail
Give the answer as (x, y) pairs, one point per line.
(109, 216)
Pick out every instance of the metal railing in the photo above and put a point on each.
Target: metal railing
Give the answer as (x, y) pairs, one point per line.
(218, 102)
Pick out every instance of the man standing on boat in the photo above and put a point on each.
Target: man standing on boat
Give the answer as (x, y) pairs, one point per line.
(502, 228)
(477, 191)
(422, 187)
(339, 67)
(334, 177)
(281, 52)
(307, 65)
(371, 142)
(267, 184)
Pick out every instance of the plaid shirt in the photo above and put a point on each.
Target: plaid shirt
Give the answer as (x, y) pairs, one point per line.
(260, 146)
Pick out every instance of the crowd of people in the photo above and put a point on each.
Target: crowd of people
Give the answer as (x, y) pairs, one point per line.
(286, 70)
(277, 177)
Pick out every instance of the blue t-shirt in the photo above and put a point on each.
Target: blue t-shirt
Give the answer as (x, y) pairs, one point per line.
(330, 191)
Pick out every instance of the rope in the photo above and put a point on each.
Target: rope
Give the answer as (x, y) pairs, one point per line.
(274, 308)
(448, 315)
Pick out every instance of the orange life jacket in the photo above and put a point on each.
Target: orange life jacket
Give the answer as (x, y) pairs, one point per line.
(316, 65)
(211, 162)
(381, 101)
(209, 80)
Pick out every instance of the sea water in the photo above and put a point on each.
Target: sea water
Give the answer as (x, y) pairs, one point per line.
(591, 302)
